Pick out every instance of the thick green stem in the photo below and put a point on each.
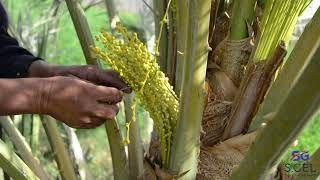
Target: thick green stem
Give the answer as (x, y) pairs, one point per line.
(242, 16)
(13, 165)
(119, 158)
(83, 30)
(289, 74)
(22, 147)
(135, 152)
(186, 140)
(58, 148)
(289, 120)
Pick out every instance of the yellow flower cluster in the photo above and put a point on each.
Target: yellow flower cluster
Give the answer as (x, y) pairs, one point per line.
(131, 59)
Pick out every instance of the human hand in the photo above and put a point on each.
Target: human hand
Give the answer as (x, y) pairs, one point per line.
(78, 103)
(89, 73)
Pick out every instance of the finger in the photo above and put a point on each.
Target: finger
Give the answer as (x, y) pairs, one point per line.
(108, 95)
(113, 79)
(105, 111)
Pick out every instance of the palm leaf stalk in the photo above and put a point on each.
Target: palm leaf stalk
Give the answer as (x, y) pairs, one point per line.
(117, 148)
(185, 147)
(83, 31)
(276, 29)
(2, 137)
(135, 151)
(13, 165)
(23, 148)
(242, 16)
(309, 41)
(58, 148)
(277, 136)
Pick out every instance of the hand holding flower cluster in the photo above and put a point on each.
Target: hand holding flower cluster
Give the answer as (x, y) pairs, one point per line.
(131, 59)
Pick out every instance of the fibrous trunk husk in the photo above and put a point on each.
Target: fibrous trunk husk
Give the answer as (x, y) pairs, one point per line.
(217, 162)
(226, 68)
(224, 75)
(235, 58)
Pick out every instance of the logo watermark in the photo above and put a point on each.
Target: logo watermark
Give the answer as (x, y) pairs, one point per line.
(298, 164)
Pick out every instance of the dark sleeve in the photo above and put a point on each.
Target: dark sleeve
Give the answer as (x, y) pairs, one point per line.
(14, 60)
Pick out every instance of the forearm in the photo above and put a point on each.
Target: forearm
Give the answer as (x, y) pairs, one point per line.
(21, 96)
